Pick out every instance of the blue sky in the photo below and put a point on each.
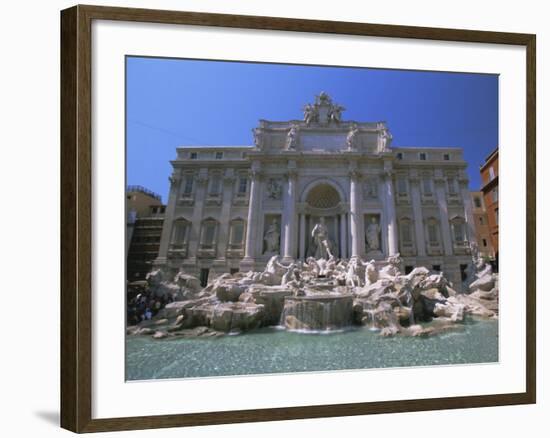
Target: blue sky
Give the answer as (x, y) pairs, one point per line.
(177, 102)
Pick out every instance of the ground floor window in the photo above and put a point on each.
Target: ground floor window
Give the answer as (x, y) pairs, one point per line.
(204, 276)
(463, 274)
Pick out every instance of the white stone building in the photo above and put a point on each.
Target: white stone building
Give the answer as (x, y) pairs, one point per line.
(232, 208)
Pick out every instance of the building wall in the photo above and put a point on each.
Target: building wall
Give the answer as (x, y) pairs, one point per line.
(483, 231)
(489, 178)
(144, 244)
(139, 200)
(145, 218)
(298, 171)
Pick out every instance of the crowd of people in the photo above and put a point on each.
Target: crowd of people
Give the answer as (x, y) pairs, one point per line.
(142, 304)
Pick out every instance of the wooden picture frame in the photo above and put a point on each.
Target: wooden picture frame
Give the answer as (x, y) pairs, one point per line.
(76, 217)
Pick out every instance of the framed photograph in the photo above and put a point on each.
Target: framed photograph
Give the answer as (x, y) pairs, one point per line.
(267, 218)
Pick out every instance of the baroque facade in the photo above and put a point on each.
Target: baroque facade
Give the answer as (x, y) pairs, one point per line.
(314, 187)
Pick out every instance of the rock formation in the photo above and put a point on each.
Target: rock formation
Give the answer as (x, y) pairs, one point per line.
(321, 295)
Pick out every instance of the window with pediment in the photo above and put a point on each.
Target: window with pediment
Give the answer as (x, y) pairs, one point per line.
(237, 233)
(458, 226)
(209, 231)
(180, 231)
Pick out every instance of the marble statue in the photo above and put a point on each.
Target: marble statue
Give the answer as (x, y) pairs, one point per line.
(322, 294)
(292, 138)
(272, 238)
(385, 138)
(352, 276)
(310, 114)
(371, 273)
(321, 240)
(351, 138)
(258, 137)
(335, 114)
(373, 235)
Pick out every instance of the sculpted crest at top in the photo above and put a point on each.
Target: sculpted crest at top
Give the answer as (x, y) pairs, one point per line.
(322, 129)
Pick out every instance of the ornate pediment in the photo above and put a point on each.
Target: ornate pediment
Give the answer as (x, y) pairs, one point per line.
(322, 130)
(323, 111)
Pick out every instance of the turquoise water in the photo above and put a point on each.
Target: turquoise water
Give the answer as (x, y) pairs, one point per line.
(272, 350)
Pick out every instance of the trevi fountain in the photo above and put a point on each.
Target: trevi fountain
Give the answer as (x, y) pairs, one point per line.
(319, 314)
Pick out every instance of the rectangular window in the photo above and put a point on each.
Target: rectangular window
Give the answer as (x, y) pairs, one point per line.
(243, 183)
(401, 186)
(406, 232)
(193, 155)
(432, 233)
(215, 184)
(477, 202)
(422, 156)
(408, 269)
(204, 276)
(180, 230)
(463, 272)
(427, 185)
(436, 268)
(237, 233)
(481, 220)
(399, 155)
(446, 157)
(188, 185)
(491, 173)
(209, 233)
(451, 183)
(219, 155)
(459, 232)
(494, 194)
(485, 243)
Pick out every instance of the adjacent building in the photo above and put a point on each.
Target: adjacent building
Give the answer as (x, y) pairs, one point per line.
(483, 231)
(145, 213)
(312, 185)
(489, 182)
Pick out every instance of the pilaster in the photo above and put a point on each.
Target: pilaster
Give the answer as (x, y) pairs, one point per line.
(440, 182)
(166, 235)
(289, 213)
(357, 231)
(389, 208)
(417, 213)
(227, 199)
(254, 204)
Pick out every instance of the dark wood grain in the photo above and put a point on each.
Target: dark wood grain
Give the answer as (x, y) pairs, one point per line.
(76, 224)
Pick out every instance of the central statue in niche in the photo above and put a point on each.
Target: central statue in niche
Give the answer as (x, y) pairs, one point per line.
(321, 240)
(373, 235)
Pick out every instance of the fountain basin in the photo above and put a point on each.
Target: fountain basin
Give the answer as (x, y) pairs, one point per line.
(318, 312)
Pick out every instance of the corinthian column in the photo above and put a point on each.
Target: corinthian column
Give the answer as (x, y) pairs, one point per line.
(196, 220)
(443, 214)
(417, 213)
(343, 236)
(289, 214)
(227, 198)
(253, 207)
(468, 209)
(166, 235)
(357, 231)
(389, 205)
(302, 254)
